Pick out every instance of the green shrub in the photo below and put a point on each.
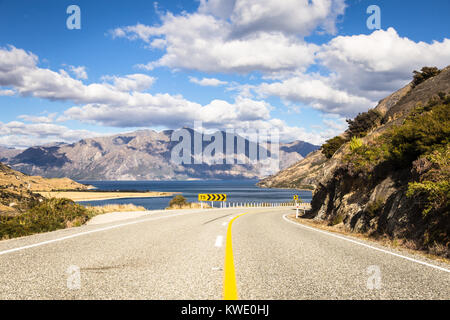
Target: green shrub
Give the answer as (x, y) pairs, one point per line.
(437, 194)
(355, 143)
(420, 134)
(424, 74)
(434, 185)
(331, 146)
(426, 129)
(363, 123)
(178, 200)
(366, 156)
(49, 215)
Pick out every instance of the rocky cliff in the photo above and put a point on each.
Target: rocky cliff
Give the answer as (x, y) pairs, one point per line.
(393, 179)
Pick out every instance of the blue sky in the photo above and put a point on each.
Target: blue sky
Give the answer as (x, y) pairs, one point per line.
(292, 66)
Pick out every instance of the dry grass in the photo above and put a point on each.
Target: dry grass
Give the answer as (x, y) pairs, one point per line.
(114, 208)
(89, 195)
(189, 205)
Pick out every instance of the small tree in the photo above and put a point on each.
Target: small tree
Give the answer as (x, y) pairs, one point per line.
(178, 200)
(363, 123)
(424, 74)
(331, 146)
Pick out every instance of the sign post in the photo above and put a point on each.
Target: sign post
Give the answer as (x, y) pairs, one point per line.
(296, 205)
(211, 197)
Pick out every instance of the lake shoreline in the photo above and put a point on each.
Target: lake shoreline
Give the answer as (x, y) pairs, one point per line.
(99, 196)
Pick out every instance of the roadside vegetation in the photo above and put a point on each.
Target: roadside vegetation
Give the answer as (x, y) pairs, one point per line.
(424, 74)
(357, 128)
(180, 202)
(365, 122)
(330, 147)
(114, 208)
(424, 131)
(53, 214)
(49, 215)
(421, 147)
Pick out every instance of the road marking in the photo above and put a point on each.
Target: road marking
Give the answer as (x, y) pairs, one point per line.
(229, 274)
(89, 232)
(366, 245)
(219, 241)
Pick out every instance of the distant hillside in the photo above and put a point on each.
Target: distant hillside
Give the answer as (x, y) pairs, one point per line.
(7, 153)
(389, 173)
(140, 155)
(17, 190)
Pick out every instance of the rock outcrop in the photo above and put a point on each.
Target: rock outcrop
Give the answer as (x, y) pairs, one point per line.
(375, 200)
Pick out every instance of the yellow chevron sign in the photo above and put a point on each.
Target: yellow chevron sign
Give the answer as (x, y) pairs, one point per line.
(296, 197)
(212, 197)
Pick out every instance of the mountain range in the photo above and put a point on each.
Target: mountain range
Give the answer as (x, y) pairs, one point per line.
(139, 155)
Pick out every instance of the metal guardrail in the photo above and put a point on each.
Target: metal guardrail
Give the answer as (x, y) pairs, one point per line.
(303, 206)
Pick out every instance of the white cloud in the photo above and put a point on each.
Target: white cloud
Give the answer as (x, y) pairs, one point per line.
(318, 92)
(79, 72)
(239, 35)
(132, 82)
(18, 69)
(374, 65)
(170, 111)
(19, 134)
(212, 82)
(203, 42)
(121, 104)
(297, 17)
(38, 119)
(117, 104)
(7, 92)
(364, 69)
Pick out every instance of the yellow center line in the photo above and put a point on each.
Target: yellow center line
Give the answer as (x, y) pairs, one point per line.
(229, 275)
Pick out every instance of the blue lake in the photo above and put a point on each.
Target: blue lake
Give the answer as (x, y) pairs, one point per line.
(236, 191)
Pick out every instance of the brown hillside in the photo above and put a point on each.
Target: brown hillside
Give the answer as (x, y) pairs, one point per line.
(17, 190)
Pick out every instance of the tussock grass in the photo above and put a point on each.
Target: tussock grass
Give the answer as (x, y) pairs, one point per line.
(114, 208)
(188, 205)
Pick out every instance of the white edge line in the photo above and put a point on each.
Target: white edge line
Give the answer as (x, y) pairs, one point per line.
(89, 232)
(366, 245)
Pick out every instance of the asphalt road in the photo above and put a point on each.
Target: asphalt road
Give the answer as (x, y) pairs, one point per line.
(185, 254)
